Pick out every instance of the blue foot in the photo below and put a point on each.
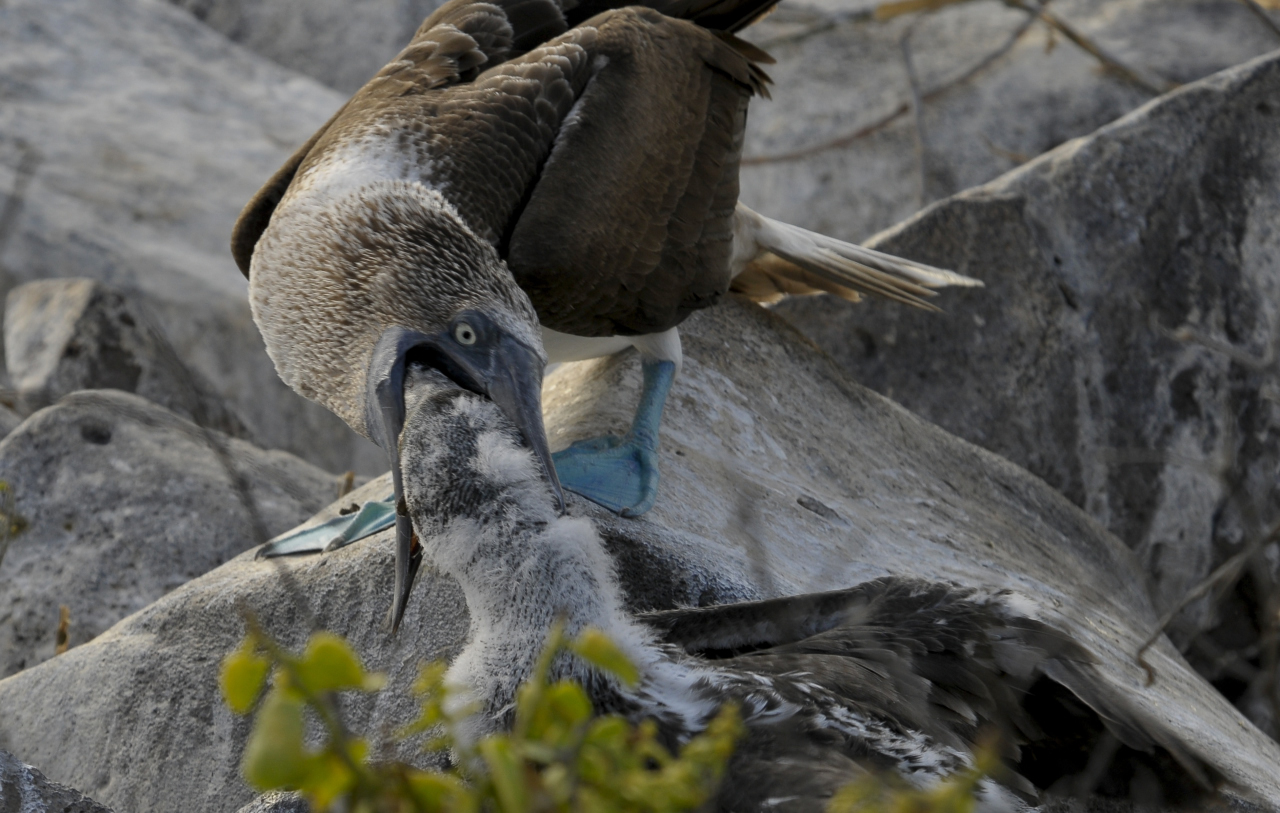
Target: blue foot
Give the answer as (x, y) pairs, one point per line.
(618, 473)
(622, 473)
(337, 532)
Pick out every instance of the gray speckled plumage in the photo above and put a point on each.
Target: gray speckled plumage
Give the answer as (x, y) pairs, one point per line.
(896, 674)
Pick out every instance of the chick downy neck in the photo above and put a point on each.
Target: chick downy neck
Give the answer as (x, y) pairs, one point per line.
(485, 515)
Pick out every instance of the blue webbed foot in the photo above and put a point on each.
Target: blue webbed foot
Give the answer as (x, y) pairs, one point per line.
(622, 473)
(337, 533)
(619, 473)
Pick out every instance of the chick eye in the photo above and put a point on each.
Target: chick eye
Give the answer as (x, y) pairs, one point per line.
(464, 333)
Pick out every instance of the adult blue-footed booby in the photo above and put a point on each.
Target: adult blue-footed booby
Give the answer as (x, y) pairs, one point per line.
(895, 675)
(531, 180)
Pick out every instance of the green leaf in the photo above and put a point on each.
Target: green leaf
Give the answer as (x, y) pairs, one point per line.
(328, 778)
(594, 647)
(569, 702)
(274, 757)
(328, 664)
(506, 774)
(443, 792)
(243, 673)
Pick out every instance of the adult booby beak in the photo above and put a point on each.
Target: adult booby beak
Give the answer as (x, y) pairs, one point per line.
(478, 356)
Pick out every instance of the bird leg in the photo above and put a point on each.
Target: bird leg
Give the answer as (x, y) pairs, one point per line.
(621, 473)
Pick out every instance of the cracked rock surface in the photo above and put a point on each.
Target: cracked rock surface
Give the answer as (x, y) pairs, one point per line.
(23, 789)
(130, 137)
(64, 335)
(119, 501)
(1124, 348)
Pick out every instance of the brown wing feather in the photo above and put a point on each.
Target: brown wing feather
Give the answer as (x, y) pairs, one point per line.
(489, 139)
(628, 227)
(453, 45)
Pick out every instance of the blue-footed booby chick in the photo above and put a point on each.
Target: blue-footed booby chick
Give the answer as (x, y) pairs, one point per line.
(532, 181)
(894, 675)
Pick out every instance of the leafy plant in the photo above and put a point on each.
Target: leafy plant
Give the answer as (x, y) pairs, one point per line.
(559, 755)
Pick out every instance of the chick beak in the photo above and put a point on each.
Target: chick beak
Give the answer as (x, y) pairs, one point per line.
(508, 372)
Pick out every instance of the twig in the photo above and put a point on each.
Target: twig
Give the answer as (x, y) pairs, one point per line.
(11, 522)
(22, 177)
(1234, 663)
(917, 114)
(62, 640)
(1100, 758)
(824, 24)
(901, 110)
(1263, 15)
(1007, 154)
(1188, 334)
(1228, 570)
(320, 703)
(1136, 455)
(1155, 87)
(1110, 62)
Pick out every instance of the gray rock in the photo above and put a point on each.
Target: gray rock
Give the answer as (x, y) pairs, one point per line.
(277, 803)
(836, 78)
(64, 335)
(9, 420)
(121, 502)
(1124, 348)
(340, 42)
(23, 789)
(130, 137)
(761, 429)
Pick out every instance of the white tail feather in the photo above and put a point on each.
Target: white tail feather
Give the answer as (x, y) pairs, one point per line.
(807, 253)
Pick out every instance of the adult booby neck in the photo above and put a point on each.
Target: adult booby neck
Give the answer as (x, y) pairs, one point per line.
(895, 674)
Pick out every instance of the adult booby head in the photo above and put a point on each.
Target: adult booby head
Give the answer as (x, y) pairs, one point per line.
(477, 327)
(896, 674)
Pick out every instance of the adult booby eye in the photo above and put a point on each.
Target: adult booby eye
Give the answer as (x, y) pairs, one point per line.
(464, 333)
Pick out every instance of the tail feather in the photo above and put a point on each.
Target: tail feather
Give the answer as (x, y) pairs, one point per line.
(781, 259)
(769, 279)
